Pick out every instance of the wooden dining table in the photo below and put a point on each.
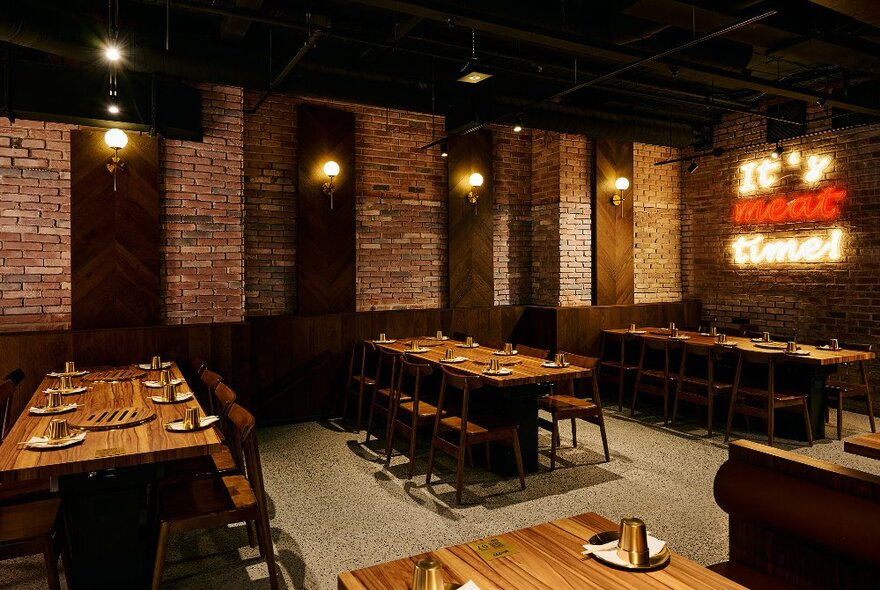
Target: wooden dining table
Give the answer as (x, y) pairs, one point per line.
(866, 445)
(107, 483)
(515, 396)
(809, 372)
(542, 557)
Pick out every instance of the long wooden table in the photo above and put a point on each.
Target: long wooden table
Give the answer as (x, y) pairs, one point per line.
(810, 376)
(866, 445)
(547, 557)
(107, 483)
(518, 392)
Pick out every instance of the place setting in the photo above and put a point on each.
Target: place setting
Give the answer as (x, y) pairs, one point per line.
(633, 330)
(721, 340)
(438, 337)
(66, 386)
(156, 364)
(630, 547)
(508, 350)
(495, 368)
(171, 395)
(163, 380)
(192, 421)
(450, 357)
(558, 362)
(833, 345)
(54, 404)
(416, 347)
(70, 370)
(58, 435)
(383, 339)
(468, 343)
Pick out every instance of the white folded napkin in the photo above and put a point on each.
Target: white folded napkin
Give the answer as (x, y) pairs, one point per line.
(469, 585)
(458, 359)
(43, 441)
(37, 410)
(182, 396)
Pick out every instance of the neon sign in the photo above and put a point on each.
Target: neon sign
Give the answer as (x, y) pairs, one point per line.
(821, 206)
(765, 174)
(755, 249)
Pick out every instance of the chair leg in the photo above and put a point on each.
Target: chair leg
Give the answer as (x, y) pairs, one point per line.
(604, 438)
(730, 415)
(620, 383)
(50, 557)
(370, 415)
(554, 440)
(868, 400)
(159, 567)
(413, 437)
(360, 410)
(519, 464)
(459, 471)
(709, 406)
(771, 419)
(574, 433)
(840, 399)
(632, 409)
(268, 547)
(807, 423)
(253, 541)
(675, 405)
(488, 450)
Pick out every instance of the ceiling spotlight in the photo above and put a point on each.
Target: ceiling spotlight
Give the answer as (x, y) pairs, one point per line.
(444, 149)
(112, 53)
(517, 128)
(777, 152)
(113, 108)
(474, 77)
(692, 167)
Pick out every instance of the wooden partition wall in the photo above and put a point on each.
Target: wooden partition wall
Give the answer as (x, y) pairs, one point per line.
(613, 273)
(287, 368)
(114, 233)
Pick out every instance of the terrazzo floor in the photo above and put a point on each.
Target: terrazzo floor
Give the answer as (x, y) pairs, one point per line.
(335, 507)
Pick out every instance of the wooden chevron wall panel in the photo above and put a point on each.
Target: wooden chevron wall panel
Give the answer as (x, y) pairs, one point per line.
(613, 276)
(471, 277)
(325, 252)
(114, 234)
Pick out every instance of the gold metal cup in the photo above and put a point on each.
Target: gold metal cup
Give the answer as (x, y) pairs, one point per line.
(791, 346)
(428, 575)
(722, 338)
(834, 344)
(713, 331)
(449, 356)
(382, 337)
(508, 348)
(671, 326)
(191, 418)
(560, 359)
(674, 332)
(633, 544)
(494, 365)
(169, 393)
(66, 382)
(164, 376)
(156, 362)
(765, 336)
(469, 341)
(54, 399)
(439, 335)
(632, 327)
(58, 429)
(414, 345)
(69, 367)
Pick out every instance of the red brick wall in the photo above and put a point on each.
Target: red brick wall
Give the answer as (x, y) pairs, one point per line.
(34, 225)
(829, 299)
(575, 217)
(202, 211)
(545, 218)
(656, 194)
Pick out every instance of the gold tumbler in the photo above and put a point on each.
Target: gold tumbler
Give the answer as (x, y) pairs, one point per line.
(469, 341)
(164, 376)
(169, 393)
(633, 544)
(449, 356)
(428, 575)
(191, 419)
(66, 383)
(508, 348)
(69, 367)
(54, 399)
(156, 362)
(58, 429)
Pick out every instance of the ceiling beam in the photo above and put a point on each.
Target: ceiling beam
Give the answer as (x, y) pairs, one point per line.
(609, 51)
(867, 12)
(234, 27)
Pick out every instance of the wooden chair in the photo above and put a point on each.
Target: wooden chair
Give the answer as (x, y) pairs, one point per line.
(468, 431)
(840, 388)
(538, 353)
(460, 336)
(359, 382)
(490, 343)
(698, 372)
(19, 491)
(29, 528)
(7, 395)
(219, 501)
(565, 405)
(416, 412)
(383, 390)
(657, 374)
(770, 398)
(210, 380)
(613, 363)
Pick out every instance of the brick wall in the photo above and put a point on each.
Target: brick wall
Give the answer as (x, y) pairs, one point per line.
(575, 217)
(202, 212)
(829, 299)
(512, 215)
(656, 194)
(34, 225)
(545, 218)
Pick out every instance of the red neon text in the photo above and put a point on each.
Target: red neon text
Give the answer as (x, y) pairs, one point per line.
(821, 206)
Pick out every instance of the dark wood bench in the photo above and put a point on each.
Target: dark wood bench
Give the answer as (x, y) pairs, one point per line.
(798, 522)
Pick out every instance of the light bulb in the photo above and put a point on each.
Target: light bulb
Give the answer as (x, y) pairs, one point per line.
(476, 179)
(331, 168)
(112, 53)
(116, 139)
(517, 128)
(114, 110)
(621, 183)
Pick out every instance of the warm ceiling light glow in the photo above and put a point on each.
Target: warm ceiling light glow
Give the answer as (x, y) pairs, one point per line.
(621, 183)
(777, 152)
(114, 110)
(517, 128)
(474, 77)
(116, 139)
(476, 179)
(331, 168)
(112, 53)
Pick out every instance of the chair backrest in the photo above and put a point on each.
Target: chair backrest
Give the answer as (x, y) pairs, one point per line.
(388, 359)
(460, 336)
(7, 391)
(16, 376)
(211, 379)
(415, 366)
(533, 352)
(198, 365)
(491, 343)
(460, 380)
(587, 362)
(225, 396)
(243, 443)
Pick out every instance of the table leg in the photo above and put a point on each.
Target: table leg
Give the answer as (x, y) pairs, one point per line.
(110, 521)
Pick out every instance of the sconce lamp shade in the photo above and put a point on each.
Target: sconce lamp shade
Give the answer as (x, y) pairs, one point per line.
(116, 139)
(476, 179)
(331, 168)
(621, 183)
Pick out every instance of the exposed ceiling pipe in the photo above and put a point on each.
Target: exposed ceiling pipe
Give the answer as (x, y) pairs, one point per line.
(310, 42)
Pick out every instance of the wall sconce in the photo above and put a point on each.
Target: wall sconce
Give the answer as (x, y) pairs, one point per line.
(621, 184)
(331, 169)
(476, 181)
(115, 139)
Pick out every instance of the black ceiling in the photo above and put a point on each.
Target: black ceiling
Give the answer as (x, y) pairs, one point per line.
(409, 53)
